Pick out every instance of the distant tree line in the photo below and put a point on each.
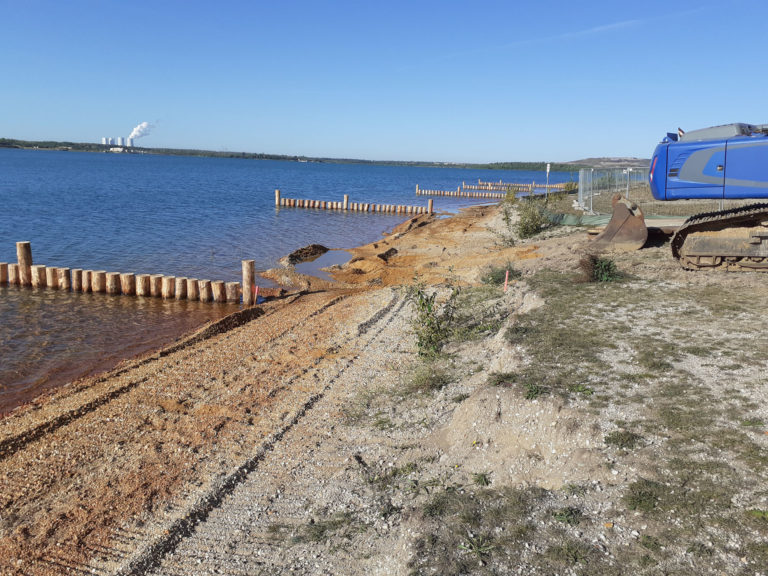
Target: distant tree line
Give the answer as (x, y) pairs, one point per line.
(93, 147)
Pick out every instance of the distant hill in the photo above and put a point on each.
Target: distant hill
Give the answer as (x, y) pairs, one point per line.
(609, 163)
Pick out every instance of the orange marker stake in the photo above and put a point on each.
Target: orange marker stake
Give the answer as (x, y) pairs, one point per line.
(506, 280)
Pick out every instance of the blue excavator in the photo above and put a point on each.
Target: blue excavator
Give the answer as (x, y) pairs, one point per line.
(727, 162)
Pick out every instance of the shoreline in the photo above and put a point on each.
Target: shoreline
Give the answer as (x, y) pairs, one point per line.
(551, 435)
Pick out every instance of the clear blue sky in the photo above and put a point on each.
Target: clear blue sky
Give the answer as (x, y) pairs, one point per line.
(402, 80)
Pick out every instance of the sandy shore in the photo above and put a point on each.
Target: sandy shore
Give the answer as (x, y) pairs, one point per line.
(290, 439)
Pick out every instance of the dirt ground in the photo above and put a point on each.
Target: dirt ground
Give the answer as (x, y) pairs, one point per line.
(565, 427)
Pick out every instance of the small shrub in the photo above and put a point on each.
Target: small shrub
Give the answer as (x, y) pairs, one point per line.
(598, 269)
(532, 218)
(650, 543)
(532, 390)
(643, 495)
(503, 379)
(425, 378)
(482, 478)
(569, 515)
(569, 553)
(432, 320)
(623, 439)
(479, 545)
(495, 275)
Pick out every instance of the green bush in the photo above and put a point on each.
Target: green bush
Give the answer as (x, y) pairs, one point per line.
(532, 218)
(495, 275)
(432, 321)
(598, 269)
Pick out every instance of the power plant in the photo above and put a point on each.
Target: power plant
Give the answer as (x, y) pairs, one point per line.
(141, 130)
(119, 141)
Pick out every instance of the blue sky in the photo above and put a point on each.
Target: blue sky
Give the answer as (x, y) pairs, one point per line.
(451, 81)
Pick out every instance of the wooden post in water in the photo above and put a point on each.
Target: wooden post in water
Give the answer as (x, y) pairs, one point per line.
(87, 280)
(249, 281)
(128, 284)
(193, 289)
(167, 287)
(233, 291)
(142, 285)
(13, 274)
(206, 291)
(65, 279)
(113, 283)
(99, 281)
(52, 277)
(77, 280)
(156, 285)
(219, 291)
(24, 258)
(3, 273)
(37, 276)
(181, 288)
(345, 204)
(277, 198)
(429, 206)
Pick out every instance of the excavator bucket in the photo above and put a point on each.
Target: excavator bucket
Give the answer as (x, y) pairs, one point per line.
(626, 230)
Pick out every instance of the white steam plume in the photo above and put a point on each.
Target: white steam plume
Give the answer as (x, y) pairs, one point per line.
(141, 130)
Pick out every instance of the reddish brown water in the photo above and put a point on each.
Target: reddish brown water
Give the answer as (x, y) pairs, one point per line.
(61, 336)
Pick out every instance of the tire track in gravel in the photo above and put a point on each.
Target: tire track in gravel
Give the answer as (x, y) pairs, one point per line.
(31, 479)
(15, 442)
(152, 553)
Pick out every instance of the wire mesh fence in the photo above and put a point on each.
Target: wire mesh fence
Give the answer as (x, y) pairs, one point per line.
(597, 187)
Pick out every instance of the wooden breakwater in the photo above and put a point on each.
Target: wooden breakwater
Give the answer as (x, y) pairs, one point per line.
(490, 190)
(347, 206)
(25, 273)
(459, 192)
(511, 186)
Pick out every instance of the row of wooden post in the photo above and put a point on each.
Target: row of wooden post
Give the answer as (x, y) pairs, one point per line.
(504, 186)
(346, 205)
(460, 193)
(25, 273)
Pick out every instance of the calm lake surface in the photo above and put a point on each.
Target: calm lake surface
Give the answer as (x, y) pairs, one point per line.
(182, 216)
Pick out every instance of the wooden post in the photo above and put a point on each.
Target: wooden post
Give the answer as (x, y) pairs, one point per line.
(249, 281)
(219, 290)
(167, 287)
(345, 205)
(181, 288)
(52, 277)
(142, 285)
(277, 198)
(3, 273)
(113, 282)
(233, 291)
(429, 206)
(156, 285)
(128, 284)
(206, 291)
(37, 276)
(77, 280)
(13, 274)
(99, 281)
(24, 258)
(193, 289)
(87, 280)
(65, 279)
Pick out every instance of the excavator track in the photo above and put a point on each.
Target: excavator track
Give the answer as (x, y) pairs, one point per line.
(732, 240)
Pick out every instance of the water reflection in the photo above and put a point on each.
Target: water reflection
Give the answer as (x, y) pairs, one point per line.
(49, 337)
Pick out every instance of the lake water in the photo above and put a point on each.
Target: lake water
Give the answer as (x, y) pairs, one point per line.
(182, 216)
